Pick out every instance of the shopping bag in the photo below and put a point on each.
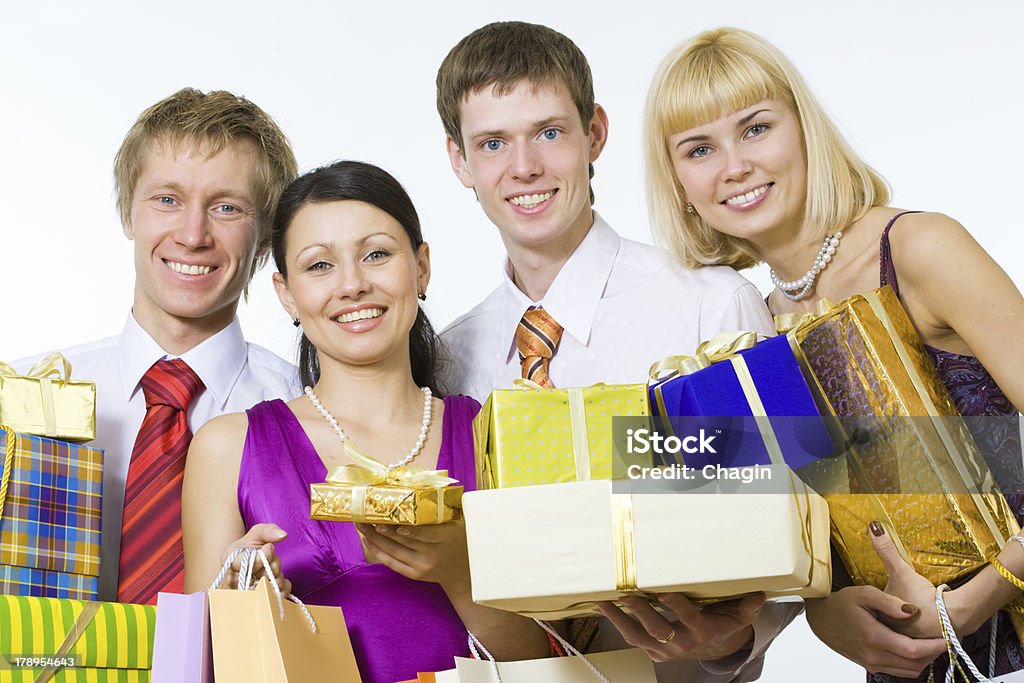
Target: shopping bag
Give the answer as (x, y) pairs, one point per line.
(181, 648)
(260, 638)
(621, 666)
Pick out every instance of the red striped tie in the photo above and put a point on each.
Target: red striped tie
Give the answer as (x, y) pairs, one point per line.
(152, 558)
(537, 337)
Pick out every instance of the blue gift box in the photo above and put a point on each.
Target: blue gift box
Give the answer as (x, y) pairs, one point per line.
(748, 401)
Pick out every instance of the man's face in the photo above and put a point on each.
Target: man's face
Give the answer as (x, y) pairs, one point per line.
(194, 225)
(527, 155)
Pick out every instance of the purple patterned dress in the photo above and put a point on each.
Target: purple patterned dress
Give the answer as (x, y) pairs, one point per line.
(398, 626)
(993, 421)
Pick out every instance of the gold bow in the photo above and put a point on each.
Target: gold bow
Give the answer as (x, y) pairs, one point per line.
(49, 366)
(790, 321)
(718, 348)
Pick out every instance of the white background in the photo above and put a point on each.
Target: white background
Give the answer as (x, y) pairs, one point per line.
(928, 92)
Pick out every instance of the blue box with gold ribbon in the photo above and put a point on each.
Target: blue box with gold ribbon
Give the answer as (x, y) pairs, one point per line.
(750, 396)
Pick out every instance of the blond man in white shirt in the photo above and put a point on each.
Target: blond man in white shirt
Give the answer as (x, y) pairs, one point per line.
(197, 180)
(523, 132)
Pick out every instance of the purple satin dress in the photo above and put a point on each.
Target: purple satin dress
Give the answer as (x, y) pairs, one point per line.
(993, 421)
(398, 626)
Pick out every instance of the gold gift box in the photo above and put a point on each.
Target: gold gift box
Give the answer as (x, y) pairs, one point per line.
(912, 464)
(46, 402)
(385, 503)
(552, 551)
(529, 436)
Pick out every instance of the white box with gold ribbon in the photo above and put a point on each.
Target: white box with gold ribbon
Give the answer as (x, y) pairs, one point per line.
(551, 551)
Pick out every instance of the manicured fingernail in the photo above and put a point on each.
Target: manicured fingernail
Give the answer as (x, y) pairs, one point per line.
(876, 528)
(278, 535)
(910, 609)
(381, 528)
(403, 531)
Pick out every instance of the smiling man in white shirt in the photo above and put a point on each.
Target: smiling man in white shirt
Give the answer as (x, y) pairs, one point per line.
(523, 129)
(197, 180)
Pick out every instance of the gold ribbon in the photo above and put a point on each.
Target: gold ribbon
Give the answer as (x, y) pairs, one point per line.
(716, 349)
(577, 425)
(623, 542)
(49, 367)
(790, 321)
(5, 478)
(89, 611)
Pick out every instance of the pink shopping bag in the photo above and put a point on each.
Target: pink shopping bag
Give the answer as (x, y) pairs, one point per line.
(181, 647)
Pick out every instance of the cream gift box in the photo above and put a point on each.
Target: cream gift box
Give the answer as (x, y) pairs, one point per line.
(551, 551)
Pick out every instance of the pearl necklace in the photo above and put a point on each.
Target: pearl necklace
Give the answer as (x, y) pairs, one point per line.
(420, 440)
(794, 290)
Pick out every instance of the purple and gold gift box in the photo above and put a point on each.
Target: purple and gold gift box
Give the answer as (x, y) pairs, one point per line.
(911, 462)
(50, 505)
(752, 393)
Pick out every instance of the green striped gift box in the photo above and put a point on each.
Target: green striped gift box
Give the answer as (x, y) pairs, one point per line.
(109, 641)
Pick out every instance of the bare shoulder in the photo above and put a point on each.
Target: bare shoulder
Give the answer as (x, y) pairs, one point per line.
(930, 233)
(220, 440)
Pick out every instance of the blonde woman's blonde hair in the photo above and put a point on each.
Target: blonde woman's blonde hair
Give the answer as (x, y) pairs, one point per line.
(712, 75)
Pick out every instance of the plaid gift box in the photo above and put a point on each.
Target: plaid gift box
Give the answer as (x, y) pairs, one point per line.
(107, 641)
(50, 502)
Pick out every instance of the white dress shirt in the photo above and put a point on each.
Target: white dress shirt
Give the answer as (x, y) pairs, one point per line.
(623, 305)
(237, 375)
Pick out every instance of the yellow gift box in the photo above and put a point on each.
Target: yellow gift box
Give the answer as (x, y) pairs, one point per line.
(553, 551)
(912, 464)
(530, 435)
(375, 493)
(100, 641)
(46, 402)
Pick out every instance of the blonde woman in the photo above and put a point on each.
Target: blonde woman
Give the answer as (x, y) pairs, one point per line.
(744, 166)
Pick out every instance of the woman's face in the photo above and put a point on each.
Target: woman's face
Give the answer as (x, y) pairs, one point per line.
(745, 173)
(353, 281)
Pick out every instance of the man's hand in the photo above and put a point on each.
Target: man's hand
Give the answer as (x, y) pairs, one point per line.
(713, 632)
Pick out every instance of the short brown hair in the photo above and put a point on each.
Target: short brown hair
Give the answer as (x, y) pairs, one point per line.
(209, 122)
(502, 55)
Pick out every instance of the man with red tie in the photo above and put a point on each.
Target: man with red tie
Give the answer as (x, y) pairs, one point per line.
(197, 180)
(577, 303)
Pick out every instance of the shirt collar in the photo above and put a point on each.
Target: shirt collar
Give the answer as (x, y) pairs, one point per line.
(574, 295)
(218, 361)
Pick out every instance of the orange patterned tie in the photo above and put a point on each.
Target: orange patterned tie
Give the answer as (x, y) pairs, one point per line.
(537, 337)
(152, 558)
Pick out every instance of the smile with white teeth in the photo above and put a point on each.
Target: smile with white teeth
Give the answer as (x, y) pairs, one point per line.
(363, 314)
(186, 269)
(531, 200)
(748, 197)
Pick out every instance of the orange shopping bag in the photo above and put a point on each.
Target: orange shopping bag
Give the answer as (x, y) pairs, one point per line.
(260, 638)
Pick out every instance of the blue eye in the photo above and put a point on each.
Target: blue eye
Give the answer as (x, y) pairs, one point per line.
(551, 133)
(227, 208)
(756, 129)
(492, 145)
(166, 201)
(699, 151)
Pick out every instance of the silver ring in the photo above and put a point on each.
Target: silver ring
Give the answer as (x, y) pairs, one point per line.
(668, 638)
